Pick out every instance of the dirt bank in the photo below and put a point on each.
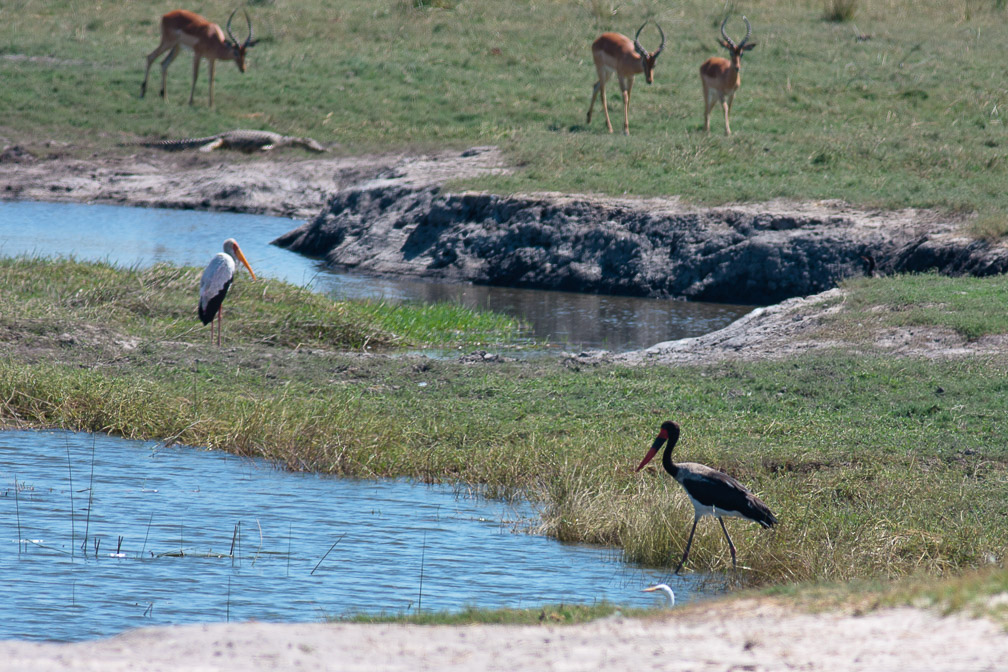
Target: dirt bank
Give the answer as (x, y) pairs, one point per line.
(755, 253)
(758, 254)
(284, 183)
(713, 637)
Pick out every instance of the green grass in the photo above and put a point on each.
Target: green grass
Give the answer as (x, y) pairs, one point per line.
(159, 303)
(980, 592)
(878, 467)
(971, 307)
(554, 614)
(909, 117)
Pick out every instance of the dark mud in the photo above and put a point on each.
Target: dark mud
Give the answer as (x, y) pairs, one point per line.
(758, 254)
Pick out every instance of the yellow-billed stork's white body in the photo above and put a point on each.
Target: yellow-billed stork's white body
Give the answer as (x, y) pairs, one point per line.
(216, 281)
(713, 493)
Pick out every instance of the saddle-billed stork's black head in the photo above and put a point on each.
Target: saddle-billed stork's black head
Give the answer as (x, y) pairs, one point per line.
(669, 432)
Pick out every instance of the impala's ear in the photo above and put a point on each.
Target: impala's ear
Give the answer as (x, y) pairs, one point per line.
(749, 46)
(252, 43)
(725, 44)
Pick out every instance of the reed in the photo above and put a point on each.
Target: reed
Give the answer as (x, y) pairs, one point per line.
(326, 555)
(423, 551)
(87, 520)
(73, 535)
(17, 514)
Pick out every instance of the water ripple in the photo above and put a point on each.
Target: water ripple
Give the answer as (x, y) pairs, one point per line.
(207, 536)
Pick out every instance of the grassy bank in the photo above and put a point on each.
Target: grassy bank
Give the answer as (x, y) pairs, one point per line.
(159, 304)
(977, 593)
(901, 105)
(564, 614)
(877, 467)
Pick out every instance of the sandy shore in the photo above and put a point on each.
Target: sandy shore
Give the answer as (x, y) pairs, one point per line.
(725, 635)
(733, 635)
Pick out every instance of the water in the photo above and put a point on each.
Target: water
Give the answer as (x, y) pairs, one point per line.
(207, 536)
(142, 236)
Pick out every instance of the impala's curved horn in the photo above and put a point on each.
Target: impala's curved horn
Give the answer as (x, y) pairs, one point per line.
(228, 27)
(747, 34)
(725, 35)
(636, 41)
(662, 40)
(249, 41)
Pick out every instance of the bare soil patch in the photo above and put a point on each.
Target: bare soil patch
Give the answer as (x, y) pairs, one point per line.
(798, 326)
(281, 183)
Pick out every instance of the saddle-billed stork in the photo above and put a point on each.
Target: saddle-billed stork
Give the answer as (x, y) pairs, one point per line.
(216, 281)
(712, 492)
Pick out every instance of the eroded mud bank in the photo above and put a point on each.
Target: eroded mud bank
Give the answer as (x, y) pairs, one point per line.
(758, 254)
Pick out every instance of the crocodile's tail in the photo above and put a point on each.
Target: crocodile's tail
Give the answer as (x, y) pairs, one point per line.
(178, 145)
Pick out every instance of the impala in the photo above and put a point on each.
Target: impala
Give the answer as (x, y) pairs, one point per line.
(720, 76)
(181, 28)
(618, 53)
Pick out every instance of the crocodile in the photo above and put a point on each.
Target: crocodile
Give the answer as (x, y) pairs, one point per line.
(241, 140)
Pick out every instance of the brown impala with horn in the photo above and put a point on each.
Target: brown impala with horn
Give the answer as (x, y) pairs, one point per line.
(618, 53)
(720, 76)
(181, 28)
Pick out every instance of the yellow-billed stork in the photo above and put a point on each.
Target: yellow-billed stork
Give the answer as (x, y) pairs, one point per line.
(216, 281)
(712, 492)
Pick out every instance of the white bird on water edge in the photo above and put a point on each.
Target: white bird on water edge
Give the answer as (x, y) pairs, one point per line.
(663, 587)
(216, 281)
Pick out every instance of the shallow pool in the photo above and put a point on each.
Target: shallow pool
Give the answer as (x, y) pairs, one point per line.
(99, 535)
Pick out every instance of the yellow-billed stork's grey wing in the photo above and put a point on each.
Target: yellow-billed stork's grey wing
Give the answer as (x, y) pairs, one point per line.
(214, 284)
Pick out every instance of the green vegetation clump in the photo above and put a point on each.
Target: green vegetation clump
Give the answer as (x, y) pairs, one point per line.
(841, 10)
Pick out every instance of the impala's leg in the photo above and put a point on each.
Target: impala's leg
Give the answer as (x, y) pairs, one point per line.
(151, 57)
(595, 90)
(164, 68)
(605, 103)
(195, 75)
(603, 77)
(213, 64)
(727, 109)
(710, 97)
(626, 86)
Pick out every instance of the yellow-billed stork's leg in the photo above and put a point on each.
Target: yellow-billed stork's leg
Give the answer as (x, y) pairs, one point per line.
(688, 544)
(731, 546)
(220, 321)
